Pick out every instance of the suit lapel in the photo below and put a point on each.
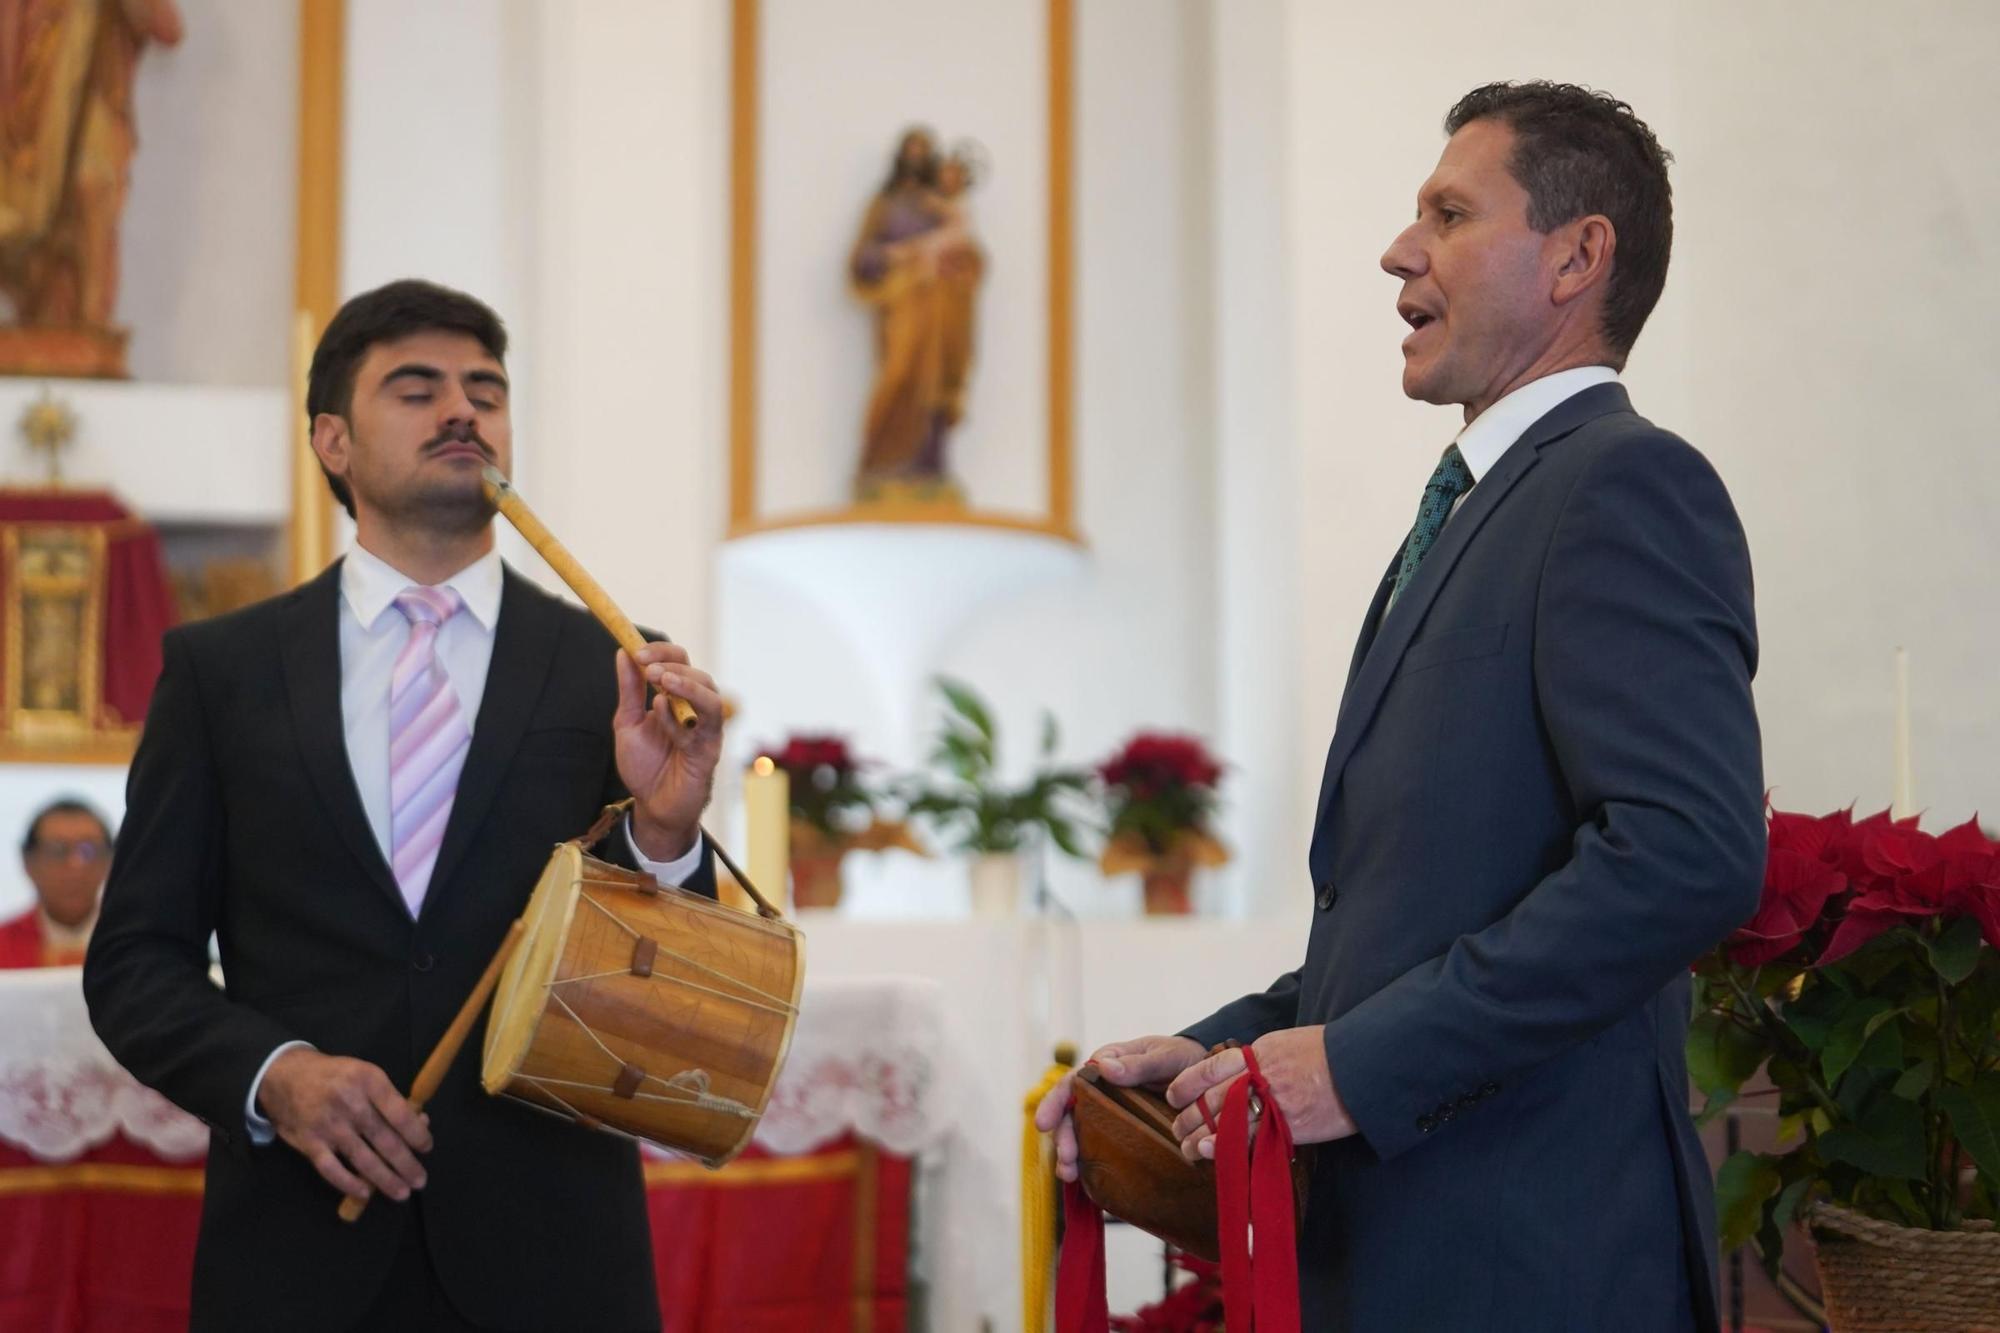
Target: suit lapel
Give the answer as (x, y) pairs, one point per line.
(309, 646)
(524, 644)
(1378, 656)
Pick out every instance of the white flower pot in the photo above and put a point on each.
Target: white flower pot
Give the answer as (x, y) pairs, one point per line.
(996, 884)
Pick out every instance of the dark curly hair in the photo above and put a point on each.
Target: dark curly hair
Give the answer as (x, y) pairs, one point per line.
(1577, 152)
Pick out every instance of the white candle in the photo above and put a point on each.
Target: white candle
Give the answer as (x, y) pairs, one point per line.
(1906, 798)
(767, 811)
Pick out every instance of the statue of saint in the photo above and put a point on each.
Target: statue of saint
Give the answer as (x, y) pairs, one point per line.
(918, 264)
(66, 143)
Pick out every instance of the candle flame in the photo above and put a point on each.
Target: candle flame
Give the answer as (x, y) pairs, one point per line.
(763, 768)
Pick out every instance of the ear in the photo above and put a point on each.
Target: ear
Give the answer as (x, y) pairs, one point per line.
(1583, 253)
(331, 441)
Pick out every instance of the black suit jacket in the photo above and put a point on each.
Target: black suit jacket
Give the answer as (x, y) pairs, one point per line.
(243, 819)
(1543, 800)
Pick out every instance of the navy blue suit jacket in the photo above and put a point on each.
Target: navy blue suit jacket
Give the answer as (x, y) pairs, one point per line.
(1543, 800)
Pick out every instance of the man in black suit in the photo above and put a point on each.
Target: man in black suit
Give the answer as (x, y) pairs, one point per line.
(1543, 798)
(355, 787)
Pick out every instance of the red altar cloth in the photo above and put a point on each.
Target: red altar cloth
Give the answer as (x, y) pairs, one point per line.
(138, 599)
(775, 1244)
(102, 1244)
(105, 1243)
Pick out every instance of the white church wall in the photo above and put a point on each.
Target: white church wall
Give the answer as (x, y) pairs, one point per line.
(1829, 314)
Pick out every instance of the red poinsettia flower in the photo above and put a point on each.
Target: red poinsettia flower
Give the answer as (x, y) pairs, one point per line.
(1152, 762)
(1796, 889)
(1913, 874)
(804, 753)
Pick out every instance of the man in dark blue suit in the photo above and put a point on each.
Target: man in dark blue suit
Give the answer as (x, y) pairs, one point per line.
(1543, 798)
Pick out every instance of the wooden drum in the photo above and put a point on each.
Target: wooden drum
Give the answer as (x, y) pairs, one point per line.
(648, 1011)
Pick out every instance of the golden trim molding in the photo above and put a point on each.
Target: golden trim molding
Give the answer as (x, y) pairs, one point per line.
(757, 1170)
(316, 262)
(744, 519)
(121, 1177)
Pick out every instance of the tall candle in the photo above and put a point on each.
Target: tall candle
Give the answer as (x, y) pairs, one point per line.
(1906, 797)
(767, 811)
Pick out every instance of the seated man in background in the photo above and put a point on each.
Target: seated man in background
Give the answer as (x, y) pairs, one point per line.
(67, 854)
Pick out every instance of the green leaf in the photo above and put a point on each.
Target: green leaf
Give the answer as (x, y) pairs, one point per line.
(1975, 1119)
(1717, 1103)
(967, 705)
(1721, 1054)
(1955, 952)
(1065, 837)
(1916, 1081)
(1050, 735)
(1888, 1141)
(1884, 1047)
(1787, 1206)
(1745, 1181)
(1849, 1036)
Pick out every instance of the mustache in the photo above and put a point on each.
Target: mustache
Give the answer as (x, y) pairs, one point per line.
(454, 435)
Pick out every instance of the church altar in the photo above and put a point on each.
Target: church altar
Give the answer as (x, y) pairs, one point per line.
(884, 1172)
(100, 1178)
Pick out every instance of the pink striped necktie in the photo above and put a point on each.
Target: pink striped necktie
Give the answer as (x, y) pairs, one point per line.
(428, 738)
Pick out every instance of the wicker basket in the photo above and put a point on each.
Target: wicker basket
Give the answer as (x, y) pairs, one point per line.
(1878, 1277)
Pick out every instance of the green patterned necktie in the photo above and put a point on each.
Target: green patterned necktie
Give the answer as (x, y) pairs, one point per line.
(1450, 481)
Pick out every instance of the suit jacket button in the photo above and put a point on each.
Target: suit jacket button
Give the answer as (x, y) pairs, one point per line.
(1425, 1124)
(423, 962)
(1326, 897)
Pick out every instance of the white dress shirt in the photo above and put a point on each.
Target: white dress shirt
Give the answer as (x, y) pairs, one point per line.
(372, 635)
(1488, 436)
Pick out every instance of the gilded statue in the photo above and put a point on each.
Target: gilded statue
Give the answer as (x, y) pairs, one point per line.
(67, 136)
(918, 264)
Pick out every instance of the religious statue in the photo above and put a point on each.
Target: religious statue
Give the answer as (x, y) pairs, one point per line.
(66, 142)
(918, 265)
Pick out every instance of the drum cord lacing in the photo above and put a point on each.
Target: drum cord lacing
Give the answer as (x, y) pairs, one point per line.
(690, 1086)
(764, 1000)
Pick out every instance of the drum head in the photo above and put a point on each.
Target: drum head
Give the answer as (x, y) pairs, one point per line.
(522, 995)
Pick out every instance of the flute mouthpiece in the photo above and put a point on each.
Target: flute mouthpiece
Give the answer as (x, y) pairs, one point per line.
(495, 480)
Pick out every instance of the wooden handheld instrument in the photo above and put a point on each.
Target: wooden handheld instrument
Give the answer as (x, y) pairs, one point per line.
(509, 502)
(432, 1073)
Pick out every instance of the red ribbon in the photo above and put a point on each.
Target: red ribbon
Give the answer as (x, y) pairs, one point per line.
(1255, 1222)
(1080, 1302)
(1253, 1187)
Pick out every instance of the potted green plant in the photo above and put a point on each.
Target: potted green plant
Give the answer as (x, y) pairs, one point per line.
(834, 810)
(1867, 991)
(971, 809)
(1159, 791)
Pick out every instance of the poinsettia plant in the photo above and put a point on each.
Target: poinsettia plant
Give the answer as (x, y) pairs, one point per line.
(1160, 793)
(1866, 990)
(827, 790)
(1159, 787)
(1194, 1306)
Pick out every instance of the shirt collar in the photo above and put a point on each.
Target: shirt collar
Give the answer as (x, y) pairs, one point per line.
(1493, 432)
(370, 584)
(55, 935)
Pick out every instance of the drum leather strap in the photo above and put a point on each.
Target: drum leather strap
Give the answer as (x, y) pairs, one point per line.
(1253, 1186)
(608, 818)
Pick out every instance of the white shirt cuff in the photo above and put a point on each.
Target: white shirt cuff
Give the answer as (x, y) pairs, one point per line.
(673, 873)
(261, 1129)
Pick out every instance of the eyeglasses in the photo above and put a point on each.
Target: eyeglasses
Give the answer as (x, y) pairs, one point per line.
(58, 849)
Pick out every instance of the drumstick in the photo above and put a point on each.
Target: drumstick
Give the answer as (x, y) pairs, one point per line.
(446, 1050)
(508, 500)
